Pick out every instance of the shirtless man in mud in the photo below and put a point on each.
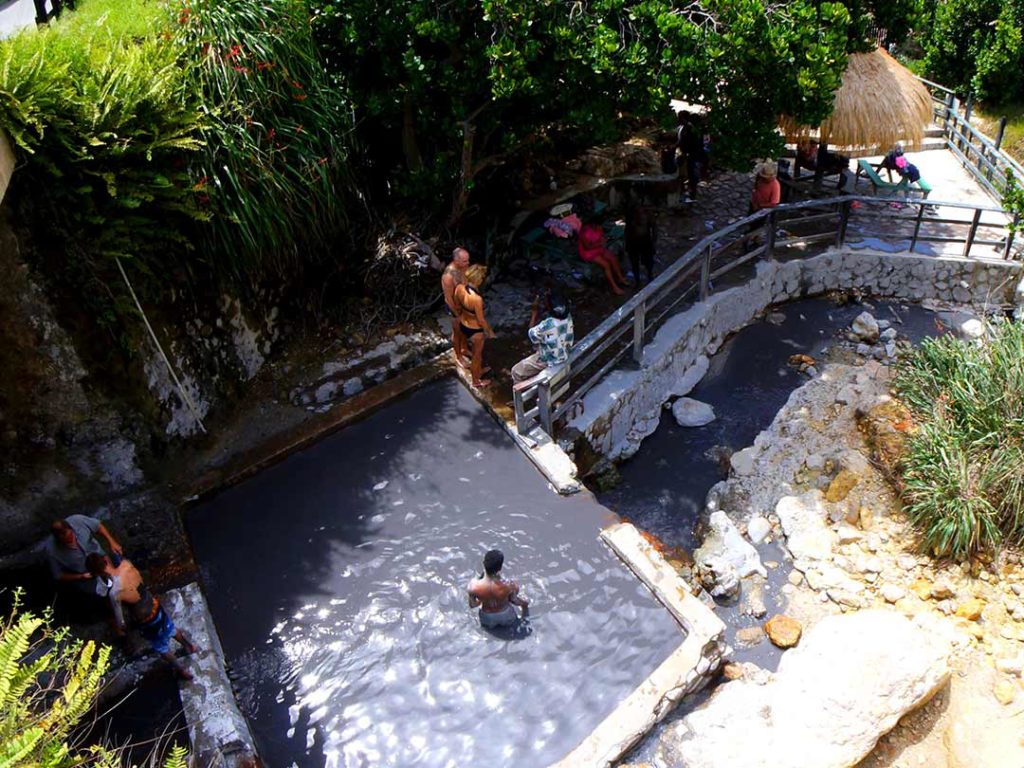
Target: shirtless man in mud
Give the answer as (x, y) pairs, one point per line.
(455, 274)
(127, 592)
(494, 595)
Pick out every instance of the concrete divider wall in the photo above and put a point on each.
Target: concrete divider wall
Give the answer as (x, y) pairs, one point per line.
(626, 406)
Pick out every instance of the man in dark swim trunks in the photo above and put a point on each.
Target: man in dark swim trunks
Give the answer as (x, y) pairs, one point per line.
(127, 593)
(495, 596)
(454, 275)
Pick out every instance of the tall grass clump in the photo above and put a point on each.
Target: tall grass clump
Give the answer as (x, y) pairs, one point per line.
(963, 470)
(274, 166)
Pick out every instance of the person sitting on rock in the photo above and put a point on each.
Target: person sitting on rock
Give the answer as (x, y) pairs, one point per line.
(125, 590)
(494, 595)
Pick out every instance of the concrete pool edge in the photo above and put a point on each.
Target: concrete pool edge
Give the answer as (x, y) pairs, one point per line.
(217, 730)
(688, 669)
(283, 445)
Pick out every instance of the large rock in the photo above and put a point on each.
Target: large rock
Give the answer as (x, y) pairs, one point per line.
(803, 521)
(866, 327)
(692, 413)
(725, 557)
(848, 683)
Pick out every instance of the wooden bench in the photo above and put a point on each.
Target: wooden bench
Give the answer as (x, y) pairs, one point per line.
(880, 184)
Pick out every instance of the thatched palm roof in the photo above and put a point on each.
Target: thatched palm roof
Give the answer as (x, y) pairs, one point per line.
(879, 103)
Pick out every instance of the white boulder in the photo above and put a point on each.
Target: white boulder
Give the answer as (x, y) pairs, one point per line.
(865, 327)
(972, 329)
(692, 413)
(726, 557)
(758, 529)
(803, 521)
(849, 682)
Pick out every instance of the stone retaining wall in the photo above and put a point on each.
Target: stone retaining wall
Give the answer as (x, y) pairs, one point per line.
(626, 406)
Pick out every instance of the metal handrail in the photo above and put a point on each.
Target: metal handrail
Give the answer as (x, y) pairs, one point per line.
(537, 403)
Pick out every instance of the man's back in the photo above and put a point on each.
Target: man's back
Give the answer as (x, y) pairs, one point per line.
(493, 594)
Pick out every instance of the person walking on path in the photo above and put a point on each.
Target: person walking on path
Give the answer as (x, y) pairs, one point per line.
(127, 593)
(72, 540)
(455, 274)
(553, 337)
(469, 311)
(495, 596)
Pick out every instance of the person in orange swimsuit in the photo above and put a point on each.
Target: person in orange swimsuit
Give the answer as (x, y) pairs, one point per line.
(494, 595)
(469, 311)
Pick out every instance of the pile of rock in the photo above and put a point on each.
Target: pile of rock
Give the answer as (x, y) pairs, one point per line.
(875, 338)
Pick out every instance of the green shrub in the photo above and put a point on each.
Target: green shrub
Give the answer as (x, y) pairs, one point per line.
(964, 469)
(98, 107)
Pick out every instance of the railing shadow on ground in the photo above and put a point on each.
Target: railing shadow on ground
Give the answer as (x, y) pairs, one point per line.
(729, 256)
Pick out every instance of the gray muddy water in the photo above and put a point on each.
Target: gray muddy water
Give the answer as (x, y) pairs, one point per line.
(337, 582)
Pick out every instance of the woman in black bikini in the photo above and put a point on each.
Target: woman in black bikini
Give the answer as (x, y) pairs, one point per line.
(469, 305)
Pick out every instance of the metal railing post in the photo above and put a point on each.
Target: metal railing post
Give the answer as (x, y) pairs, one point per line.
(971, 233)
(544, 406)
(639, 321)
(520, 409)
(705, 274)
(1009, 236)
(844, 219)
(917, 226)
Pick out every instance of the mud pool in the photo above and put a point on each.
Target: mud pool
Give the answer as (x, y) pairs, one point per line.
(337, 582)
(665, 485)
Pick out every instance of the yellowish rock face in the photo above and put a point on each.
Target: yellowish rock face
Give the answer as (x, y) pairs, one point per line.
(783, 631)
(971, 609)
(841, 486)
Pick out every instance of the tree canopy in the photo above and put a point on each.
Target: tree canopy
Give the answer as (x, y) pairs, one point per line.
(444, 91)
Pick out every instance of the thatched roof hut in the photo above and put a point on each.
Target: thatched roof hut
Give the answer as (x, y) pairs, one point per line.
(879, 103)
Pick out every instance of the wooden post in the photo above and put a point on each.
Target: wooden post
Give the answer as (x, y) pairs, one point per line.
(971, 233)
(639, 326)
(1009, 236)
(917, 226)
(1001, 131)
(769, 235)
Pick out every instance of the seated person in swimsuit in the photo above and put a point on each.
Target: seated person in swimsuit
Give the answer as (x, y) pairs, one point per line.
(593, 250)
(469, 307)
(495, 596)
(891, 161)
(127, 593)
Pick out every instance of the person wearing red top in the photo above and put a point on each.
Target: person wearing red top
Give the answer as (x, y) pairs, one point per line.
(592, 249)
(767, 191)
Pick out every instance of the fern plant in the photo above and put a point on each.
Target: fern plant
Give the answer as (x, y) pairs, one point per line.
(48, 683)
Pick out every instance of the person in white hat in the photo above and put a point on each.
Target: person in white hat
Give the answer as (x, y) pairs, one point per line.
(767, 192)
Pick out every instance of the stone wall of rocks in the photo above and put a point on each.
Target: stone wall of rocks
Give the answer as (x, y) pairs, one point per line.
(626, 406)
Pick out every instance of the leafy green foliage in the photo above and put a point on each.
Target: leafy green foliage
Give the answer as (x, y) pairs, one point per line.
(1013, 201)
(964, 469)
(274, 169)
(976, 46)
(48, 683)
(446, 91)
(97, 105)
